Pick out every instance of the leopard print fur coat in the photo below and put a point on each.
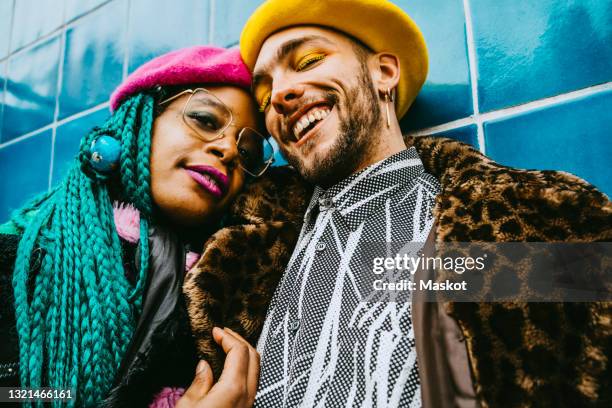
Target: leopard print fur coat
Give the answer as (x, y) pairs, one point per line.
(554, 354)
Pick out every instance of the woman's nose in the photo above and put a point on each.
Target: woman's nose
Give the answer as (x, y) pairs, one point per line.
(224, 147)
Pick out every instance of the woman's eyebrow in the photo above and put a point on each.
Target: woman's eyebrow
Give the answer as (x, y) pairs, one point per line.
(285, 50)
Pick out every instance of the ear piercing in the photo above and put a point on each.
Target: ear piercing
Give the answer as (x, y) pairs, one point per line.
(388, 99)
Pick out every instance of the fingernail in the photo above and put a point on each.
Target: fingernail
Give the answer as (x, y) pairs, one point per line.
(202, 366)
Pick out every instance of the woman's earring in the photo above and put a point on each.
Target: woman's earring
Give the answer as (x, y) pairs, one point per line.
(388, 100)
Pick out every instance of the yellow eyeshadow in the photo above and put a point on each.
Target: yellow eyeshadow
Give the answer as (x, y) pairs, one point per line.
(309, 59)
(264, 103)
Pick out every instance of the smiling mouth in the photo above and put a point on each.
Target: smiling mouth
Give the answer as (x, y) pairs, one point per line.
(309, 120)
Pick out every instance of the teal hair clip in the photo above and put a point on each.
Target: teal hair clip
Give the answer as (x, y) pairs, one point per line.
(104, 154)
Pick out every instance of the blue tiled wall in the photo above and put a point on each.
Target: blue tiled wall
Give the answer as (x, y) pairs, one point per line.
(527, 82)
(94, 53)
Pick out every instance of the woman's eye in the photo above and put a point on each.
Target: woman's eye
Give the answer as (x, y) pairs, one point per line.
(264, 103)
(307, 61)
(205, 120)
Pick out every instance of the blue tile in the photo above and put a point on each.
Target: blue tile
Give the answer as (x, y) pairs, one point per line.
(155, 30)
(67, 141)
(446, 95)
(572, 136)
(466, 134)
(6, 15)
(27, 162)
(76, 8)
(31, 89)
(528, 50)
(279, 160)
(33, 19)
(93, 61)
(2, 81)
(230, 16)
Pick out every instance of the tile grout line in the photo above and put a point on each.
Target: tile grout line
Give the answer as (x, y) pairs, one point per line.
(82, 113)
(58, 123)
(58, 91)
(211, 21)
(10, 39)
(6, 70)
(469, 34)
(455, 124)
(505, 113)
(26, 136)
(126, 40)
(545, 102)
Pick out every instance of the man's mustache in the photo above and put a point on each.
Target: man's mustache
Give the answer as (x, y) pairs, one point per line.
(329, 98)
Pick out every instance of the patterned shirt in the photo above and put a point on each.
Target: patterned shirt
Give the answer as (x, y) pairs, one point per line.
(322, 344)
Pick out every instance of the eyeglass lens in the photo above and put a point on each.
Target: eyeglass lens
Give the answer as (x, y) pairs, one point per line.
(255, 151)
(209, 117)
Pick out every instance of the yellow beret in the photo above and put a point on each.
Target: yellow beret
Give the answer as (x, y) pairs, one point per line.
(379, 24)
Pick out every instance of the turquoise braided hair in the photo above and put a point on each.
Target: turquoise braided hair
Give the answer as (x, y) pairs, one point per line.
(76, 316)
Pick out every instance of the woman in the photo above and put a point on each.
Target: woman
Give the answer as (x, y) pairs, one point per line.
(97, 263)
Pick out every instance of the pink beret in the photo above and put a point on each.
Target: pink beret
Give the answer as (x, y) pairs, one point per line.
(193, 65)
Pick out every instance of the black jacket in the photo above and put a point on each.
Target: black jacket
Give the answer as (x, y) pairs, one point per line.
(162, 351)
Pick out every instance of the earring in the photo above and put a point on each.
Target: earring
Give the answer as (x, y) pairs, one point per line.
(388, 99)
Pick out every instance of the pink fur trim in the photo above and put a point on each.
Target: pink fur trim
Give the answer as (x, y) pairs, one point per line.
(190, 259)
(127, 221)
(192, 65)
(167, 397)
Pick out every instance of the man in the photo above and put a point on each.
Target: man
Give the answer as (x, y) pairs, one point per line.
(326, 75)
(328, 102)
(333, 78)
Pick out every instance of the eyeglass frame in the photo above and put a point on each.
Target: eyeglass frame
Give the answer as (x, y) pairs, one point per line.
(221, 134)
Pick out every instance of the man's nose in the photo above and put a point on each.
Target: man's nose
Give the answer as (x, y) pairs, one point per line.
(285, 99)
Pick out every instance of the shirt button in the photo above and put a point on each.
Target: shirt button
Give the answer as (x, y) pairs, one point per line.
(320, 246)
(294, 325)
(326, 203)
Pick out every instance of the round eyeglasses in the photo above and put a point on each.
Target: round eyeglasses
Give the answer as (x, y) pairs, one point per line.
(209, 118)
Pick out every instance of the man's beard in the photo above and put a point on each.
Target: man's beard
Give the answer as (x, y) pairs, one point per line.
(359, 118)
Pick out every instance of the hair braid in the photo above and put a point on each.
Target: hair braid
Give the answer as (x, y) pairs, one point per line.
(52, 342)
(143, 185)
(129, 150)
(118, 291)
(76, 319)
(71, 261)
(94, 339)
(143, 144)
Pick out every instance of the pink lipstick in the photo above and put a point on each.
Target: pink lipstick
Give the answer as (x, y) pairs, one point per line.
(209, 178)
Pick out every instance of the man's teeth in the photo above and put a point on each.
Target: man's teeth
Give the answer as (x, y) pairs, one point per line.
(308, 119)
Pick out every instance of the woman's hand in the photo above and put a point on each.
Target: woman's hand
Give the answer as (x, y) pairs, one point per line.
(238, 382)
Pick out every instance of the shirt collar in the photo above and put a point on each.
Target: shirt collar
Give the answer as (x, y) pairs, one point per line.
(361, 193)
